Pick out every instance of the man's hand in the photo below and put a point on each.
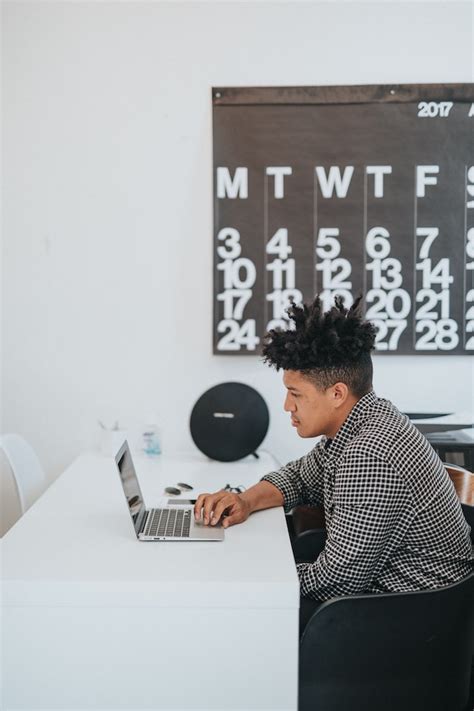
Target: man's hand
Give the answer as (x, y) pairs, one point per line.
(232, 508)
(236, 508)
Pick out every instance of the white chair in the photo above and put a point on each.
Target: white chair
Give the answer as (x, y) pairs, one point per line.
(10, 510)
(28, 474)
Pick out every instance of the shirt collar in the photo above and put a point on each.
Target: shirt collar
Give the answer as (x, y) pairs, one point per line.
(350, 425)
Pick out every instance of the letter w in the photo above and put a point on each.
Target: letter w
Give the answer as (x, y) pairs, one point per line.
(334, 180)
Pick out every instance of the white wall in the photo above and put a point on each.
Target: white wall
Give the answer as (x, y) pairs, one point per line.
(107, 167)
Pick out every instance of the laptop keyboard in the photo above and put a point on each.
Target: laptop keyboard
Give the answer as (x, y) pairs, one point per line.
(175, 523)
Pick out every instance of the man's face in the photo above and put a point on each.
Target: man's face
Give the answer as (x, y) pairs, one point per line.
(313, 411)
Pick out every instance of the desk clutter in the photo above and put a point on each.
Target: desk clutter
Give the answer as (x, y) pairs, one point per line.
(228, 422)
(146, 438)
(450, 434)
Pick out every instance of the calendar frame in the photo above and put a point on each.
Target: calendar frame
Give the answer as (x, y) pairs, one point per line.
(250, 285)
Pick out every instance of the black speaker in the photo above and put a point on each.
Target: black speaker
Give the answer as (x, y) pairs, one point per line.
(229, 421)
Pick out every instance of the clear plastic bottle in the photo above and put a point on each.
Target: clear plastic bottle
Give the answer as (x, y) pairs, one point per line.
(151, 439)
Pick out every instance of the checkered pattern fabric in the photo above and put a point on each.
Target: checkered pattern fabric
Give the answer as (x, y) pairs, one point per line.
(394, 522)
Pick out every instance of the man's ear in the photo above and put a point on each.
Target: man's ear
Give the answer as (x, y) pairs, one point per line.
(340, 394)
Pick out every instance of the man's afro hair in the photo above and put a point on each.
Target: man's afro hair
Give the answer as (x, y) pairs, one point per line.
(320, 340)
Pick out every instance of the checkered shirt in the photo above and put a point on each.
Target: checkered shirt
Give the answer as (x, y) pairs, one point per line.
(393, 519)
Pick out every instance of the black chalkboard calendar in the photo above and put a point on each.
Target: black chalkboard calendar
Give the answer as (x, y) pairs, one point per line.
(344, 190)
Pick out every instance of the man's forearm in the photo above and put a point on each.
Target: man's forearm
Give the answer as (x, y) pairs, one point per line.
(263, 496)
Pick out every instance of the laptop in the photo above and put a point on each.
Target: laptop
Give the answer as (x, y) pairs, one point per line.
(168, 523)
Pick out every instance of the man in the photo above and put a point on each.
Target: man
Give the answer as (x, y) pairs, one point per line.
(394, 522)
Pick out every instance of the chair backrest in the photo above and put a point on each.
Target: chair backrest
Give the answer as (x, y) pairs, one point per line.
(307, 518)
(394, 651)
(27, 471)
(10, 510)
(463, 481)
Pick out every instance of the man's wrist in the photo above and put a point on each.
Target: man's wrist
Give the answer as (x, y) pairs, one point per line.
(247, 498)
(263, 495)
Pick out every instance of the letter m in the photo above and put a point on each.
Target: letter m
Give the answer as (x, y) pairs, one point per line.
(232, 187)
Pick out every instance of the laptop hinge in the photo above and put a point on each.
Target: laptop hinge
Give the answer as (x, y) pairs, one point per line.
(143, 522)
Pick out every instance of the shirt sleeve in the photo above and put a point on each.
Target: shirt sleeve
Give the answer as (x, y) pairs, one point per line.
(301, 481)
(369, 499)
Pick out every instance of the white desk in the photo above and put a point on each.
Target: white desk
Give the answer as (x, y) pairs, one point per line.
(94, 619)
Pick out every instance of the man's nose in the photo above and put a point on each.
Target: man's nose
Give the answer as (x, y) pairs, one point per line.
(289, 406)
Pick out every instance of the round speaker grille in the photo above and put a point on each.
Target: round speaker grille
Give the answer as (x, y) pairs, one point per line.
(229, 421)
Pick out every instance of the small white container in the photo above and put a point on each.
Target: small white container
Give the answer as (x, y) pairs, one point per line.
(111, 441)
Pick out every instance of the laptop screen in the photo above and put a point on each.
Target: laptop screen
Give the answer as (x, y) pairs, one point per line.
(130, 485)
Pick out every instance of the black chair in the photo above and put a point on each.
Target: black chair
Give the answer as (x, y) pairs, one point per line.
(308, 536)
(392, 652)
(306, 528)
(308, 545)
